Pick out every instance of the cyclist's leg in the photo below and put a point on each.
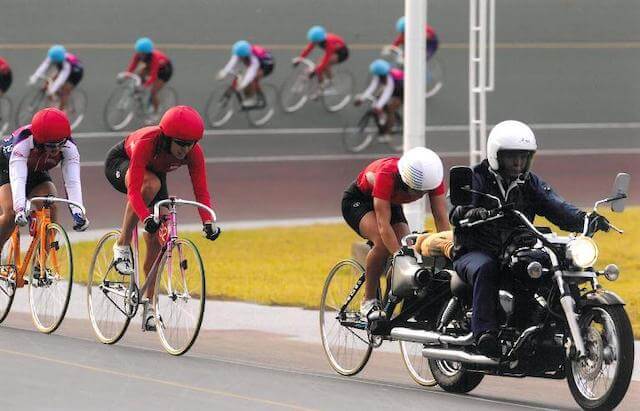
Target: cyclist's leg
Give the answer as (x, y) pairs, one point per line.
(164, 75)
(390, 109)
(152, 240)
(150, 187)
(64, 93)
(7, 218)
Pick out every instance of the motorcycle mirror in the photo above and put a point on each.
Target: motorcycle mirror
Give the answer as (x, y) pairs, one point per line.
(620, 192)
(460, 178)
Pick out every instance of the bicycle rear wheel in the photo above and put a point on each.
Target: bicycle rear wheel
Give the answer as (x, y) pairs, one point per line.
(220, 106)
(294, 92)
(343, 332)
(180, 297)
(76, 107)
(7, 278)
(50, 285)
(337, 95)
(5, 115)
(110, 299)
(396, 137)
(33, 101)
(357, 139)
(120, 108)
(266, 108)
(435, 78)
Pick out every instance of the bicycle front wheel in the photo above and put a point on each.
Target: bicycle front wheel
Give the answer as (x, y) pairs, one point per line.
(220, 107)
(343, 331)
(357, 139)
(396, 136)
(416, 363)
(51, 280)
(5, 115)
(76, 107)
(435, 78)
(7, 278)
(120, 108)
(265, 109)
(179, 297)
(111, 299)
(295, 90)
(337, 94)
(33, 101)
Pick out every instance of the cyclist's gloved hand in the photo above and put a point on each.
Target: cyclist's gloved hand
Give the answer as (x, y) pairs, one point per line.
(598, 222)
(80, 222)
(21, 218)
(295, 61)
(475, 214)
(32, 80)
(220, 75)
(210, 232)
(312, 74)
(358, 100)
(151, 225)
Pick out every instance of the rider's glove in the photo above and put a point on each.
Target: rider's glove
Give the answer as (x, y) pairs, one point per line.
(210, 232)
(80, 222)
(475, 214)
(312, 74)
(33, 80)
(21, 218)
(151, 225)
(220, 75)
(295, 61)
(598, 222)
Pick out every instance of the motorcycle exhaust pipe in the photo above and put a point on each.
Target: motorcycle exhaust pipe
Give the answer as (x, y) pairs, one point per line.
(458, 356)
(429, 337)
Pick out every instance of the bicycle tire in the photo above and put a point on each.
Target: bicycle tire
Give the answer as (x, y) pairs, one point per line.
(7, 278)
(31, 102)
(294, 92)
(357, 139)
(167, 98)
(97, 299)
(5, 115)
(419, 369)
(76, 107)
(121, 103)
(396, 135)
(260, 117)
(43, 287)
(191, 287)
(346, 366)
(338, 94)
(220, 106)
(435, 78)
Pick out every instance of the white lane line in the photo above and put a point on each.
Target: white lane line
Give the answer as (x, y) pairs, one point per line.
(344, 157)
(338, 130)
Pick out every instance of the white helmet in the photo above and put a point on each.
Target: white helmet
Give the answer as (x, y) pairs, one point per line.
(421, 169)
(509, 135)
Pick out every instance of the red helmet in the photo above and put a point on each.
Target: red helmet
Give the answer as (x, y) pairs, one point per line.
(183, 123)
(50, 125)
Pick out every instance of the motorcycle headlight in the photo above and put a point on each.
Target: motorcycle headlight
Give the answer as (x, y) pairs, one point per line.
(583, 252)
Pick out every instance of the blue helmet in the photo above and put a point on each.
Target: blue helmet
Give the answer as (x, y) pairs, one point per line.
(379, 67)
(400, 25)
(317, 34)
(144, 45)
(57, 53)
(241, 48)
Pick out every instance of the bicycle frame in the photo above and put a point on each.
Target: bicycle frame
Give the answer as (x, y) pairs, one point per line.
(231, 90)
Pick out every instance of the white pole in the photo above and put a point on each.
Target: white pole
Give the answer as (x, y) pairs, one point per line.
(415, 69)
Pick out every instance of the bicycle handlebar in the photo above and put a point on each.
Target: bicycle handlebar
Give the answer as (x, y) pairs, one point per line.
(127, 75)
(55, 200)
(178, 201)
(310, 64)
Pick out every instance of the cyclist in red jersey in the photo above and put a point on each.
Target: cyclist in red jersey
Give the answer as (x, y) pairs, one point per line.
(153, 66)
(372, 207)
(138, 166)
(432, 37)
(335, 51)
(6, 76)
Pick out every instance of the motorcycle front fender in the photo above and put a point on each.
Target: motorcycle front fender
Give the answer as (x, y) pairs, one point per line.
(600, 298)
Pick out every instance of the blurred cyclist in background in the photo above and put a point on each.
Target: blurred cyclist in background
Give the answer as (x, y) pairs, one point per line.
(432, 37)
(138, 167)
(27, 156)
(259, 63)
(6, 77)
(153, 67)
(335, 51)
(67, 73)
(387, 87)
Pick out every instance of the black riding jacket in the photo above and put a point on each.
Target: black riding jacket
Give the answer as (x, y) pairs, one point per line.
(532, 196)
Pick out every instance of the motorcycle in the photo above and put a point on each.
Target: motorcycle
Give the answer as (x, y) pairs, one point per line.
(555, 318)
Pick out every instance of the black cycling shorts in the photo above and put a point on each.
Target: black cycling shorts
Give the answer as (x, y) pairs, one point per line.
(343, 54)
(165, 72)
(5, 81)
(267, 67)
(76, 75)
(115, 169)
(34, 178)
(355, 204)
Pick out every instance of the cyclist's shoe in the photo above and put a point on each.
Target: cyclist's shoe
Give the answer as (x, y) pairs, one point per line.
(148, 317)
(370, 310)
(122, 259)
(249, 102)
(385, 138)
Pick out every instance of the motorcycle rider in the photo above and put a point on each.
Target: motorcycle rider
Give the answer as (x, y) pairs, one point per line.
(505, 174)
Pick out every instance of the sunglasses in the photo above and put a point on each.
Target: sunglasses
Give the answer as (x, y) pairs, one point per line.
(55, 146)
(183, 143)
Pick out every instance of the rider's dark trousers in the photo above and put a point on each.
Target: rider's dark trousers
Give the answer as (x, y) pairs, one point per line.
(480, 270)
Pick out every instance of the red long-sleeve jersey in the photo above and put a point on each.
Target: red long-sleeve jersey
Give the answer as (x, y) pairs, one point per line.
(155, 60)
(145, 153)
(332, 43)
(429, 31)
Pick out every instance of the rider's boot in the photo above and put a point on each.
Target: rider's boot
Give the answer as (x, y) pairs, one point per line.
(488, 344)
